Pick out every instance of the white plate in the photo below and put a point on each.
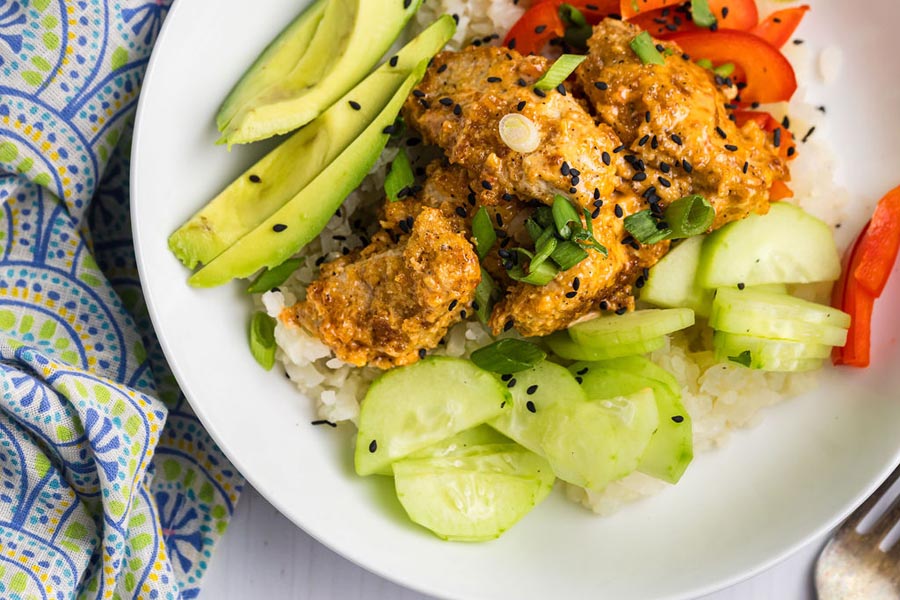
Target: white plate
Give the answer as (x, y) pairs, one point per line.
(736, 511)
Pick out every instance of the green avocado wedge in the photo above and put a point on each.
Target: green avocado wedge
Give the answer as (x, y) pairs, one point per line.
(280, 175)
(292, 226)
(350, 38)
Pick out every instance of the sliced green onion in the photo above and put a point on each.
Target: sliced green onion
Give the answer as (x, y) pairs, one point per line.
(634, 6)
(262, 339)
(541, 275)
(399, 177)
(644, 227)
(543, 248)
(702, 15)
(485, 295)
(483, 232)
(705, 63)
(563, 214)
(643, 46)
(577, 29)
(275, 276)
(543, 215)
(559, 71)
(519, 133)
(508, 356)
(724, 70)
(689, 216)
(568, 254)
(534, 230)
(744, 358)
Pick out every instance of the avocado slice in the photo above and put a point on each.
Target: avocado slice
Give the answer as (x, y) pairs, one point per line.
(305, 215)
(280, 175)
(350, 38)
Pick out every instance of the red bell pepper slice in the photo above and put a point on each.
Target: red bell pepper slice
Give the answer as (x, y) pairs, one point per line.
(540, 24)
(769, 75)
(779, 191)
(850, 297)
(594, 11)
(730, 14)
(632, 8)
(778, 27)
(877, 249)
(768, 123)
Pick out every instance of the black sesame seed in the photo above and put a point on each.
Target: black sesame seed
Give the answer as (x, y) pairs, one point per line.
(521, 82)
(731, 147)
(406, 4)
(618, 148)
(421, 352)
(512, 383)
(678, 418)
(724, 12)
(373, 446)
(601, 85)
(390, 130)
(530, 405)
(664, 167)
(425, 104)
(654, 142)
(619, 212)
(664, 182)
(540, 29)
(571, 295)
(279, 227)
(660, 48)
(531, 389)
(786, 122)
(499, 218)
(639, 176)
(798, 42)
(457, 110)
(791, 151)
(741, 286)
(676, 138)
(644, 140)
(453, 304)
(487, 185)
(604, 305)
(446, 101)
(494, 80)
(721, 132)
(746, 167)
(596, 195)
(621, 310)
(442, 68)
(320, 260)
(639, 283)
(686, 165)
(561, 89)
(462, 212)
(647, 116)
(520, 105)
(606, 158)
(540, 93)
(403, 226)
(579, 380)
(809, 133)
(254, 179)
(506, 377)
(576, 283)
(596, 213)
(565, 169)
(393, 61)
(463, 314)
(776, 138)
(508, 325)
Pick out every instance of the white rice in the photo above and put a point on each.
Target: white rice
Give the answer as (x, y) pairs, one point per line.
(719, 397)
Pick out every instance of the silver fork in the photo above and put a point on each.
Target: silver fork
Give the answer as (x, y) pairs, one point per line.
(852, 565)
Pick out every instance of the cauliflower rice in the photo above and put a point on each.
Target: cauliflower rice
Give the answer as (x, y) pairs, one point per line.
(719, 397)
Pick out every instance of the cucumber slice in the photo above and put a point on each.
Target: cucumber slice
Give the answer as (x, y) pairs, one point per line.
(473, 498)
(478, 440)
(787, 245)
(777, 316)
(589, 445)
(769, 355)
(410, 408)
(672, 281)
(670, 449)
(549, 383)
(630, 328)
(564, 347)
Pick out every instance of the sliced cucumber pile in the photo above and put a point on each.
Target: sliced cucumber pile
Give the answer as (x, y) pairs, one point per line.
(774, 332)
(672, 281)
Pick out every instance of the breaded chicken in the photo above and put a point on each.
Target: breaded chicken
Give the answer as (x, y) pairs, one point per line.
(459, 105)
(674, 123)
(596, 282)
(382, 305)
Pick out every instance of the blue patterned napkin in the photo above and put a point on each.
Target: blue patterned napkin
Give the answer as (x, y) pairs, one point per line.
(109, 486)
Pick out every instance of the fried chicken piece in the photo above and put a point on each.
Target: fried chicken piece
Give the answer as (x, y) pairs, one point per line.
(460, 103)
(674, 121)
(597, 281)
(382, 305)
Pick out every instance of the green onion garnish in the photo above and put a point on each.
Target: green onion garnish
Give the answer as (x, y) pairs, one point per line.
(485, 295)
(543, 248)
(483, 232)
(508, 356)
(568, 254)
(689, 216)
(275, 276)
(262, 339)
(559, 71)
(643, 46)
(702, 15)
(645, 228)
(724, 70)
(399, 177)
(540, 275)
(577, 29)
(744, 358)
(705, 63)
(543, 215)
(534, 230)
(563, 214)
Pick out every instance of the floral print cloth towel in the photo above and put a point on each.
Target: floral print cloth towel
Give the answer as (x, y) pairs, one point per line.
(109, 486)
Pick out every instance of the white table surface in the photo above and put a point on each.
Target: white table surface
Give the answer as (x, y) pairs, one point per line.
(262, 550)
